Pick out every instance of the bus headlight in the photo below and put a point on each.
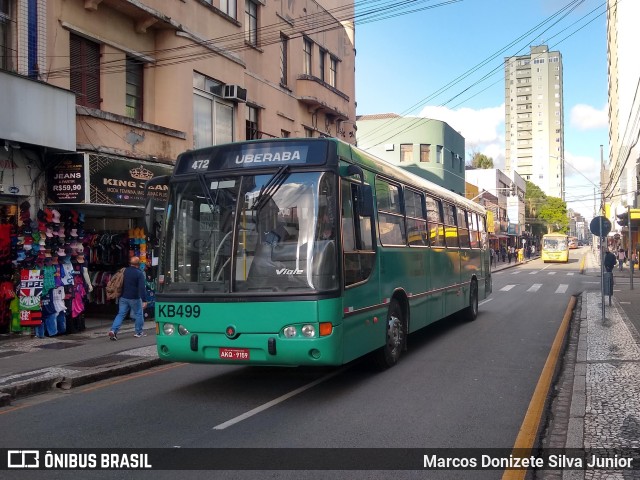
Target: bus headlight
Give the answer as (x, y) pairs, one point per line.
(290, 331)
(168, 328)
(182, 330)
(309, 331)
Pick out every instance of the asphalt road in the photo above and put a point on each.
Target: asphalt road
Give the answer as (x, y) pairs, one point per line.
(460, 385)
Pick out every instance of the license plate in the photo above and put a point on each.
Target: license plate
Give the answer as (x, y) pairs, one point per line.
(234, 353)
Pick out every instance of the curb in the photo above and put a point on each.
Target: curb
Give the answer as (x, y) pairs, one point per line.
(21, 389)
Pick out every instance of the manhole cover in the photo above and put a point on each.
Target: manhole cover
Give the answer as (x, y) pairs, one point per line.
(59, 345)
(96, 362)
(10, 353)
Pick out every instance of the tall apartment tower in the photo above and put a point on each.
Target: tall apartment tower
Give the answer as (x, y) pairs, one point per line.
(534, 119)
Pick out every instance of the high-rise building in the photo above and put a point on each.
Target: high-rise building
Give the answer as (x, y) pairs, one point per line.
(620, 181)
(534, 119)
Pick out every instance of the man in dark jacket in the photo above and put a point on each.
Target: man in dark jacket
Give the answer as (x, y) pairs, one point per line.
(133, 298)
(609, 261)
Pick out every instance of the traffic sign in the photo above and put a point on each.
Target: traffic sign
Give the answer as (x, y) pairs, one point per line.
(600, 226)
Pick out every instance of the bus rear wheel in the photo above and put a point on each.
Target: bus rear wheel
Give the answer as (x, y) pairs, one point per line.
(389, 355)
(472, 309)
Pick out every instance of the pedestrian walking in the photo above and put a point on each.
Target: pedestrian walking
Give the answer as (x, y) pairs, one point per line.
(633, 262)
(492, 256)
(503, 253)
(133, 299)
(621, 258)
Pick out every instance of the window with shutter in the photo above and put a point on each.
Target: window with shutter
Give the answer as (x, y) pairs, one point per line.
(85, 71)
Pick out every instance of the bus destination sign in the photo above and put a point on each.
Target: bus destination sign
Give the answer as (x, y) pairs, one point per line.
(232, 157)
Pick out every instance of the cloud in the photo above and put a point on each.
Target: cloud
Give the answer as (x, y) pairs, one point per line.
(482, 129)
(586, 117)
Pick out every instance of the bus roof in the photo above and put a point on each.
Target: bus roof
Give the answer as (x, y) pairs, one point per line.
(324, 151)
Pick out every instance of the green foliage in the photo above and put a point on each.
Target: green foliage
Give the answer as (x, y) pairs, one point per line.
(480, 160)
(554, 213)
(544, 214)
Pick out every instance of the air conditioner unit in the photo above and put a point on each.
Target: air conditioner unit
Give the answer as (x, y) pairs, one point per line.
(235, 93)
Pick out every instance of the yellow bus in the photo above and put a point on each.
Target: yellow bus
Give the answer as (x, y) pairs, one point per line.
(555, 247)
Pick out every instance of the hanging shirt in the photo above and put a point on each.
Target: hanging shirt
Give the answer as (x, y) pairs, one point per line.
(58, 299)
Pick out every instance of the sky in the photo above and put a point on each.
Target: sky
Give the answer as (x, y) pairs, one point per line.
(444, 60)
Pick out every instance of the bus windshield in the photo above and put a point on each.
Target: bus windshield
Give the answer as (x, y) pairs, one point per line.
(273, 232)
(557, 244)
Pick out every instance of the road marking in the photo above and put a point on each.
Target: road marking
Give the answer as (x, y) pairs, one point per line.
(485, 301)
(506, 288)
(533, 273)
(276, 401)
(529, 428)
(562, 288)
(535, 287)
(570, 274)
(551, 273)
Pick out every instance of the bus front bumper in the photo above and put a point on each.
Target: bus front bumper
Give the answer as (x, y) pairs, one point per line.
(252, 349)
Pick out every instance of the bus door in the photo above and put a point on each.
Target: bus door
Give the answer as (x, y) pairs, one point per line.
(362, 332)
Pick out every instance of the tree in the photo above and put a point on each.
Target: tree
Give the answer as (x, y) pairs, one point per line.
(480, 160)
(554, 212)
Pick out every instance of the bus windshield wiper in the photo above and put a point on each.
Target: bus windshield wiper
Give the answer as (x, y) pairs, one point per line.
(207, 193)
(271, 187)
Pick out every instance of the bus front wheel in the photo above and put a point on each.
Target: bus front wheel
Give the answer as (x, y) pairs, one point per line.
(389, 355)
(472, 309)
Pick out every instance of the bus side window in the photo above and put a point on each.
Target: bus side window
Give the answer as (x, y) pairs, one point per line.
(390, 218)
(450, 229)
(436, 227)
(463, 228)
(357, 240)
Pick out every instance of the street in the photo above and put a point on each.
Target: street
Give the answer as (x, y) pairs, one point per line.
(460, 385)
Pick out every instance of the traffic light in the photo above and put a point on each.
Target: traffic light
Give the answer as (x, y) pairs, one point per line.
(513, 190)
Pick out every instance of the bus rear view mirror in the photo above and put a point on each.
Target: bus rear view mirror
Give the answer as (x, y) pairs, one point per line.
(152, 204)
(365, 201)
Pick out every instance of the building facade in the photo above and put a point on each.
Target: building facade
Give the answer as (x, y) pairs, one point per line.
(426, 147)
(534, 119)
(100, 95)
(621, 177)
(510, 192)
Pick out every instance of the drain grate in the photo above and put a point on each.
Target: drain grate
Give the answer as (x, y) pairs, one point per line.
(100, 361)
(10, 353)
(58, 345)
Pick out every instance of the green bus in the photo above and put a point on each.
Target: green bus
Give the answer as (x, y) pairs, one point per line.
(308, 252)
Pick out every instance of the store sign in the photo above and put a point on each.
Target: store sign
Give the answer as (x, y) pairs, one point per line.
(66, 178)
(118, 181)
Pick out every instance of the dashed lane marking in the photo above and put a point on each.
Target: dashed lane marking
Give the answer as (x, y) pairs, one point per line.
(534, 288)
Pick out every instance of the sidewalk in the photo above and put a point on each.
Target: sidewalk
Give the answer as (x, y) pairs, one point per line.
(596, 402)
(30, 365)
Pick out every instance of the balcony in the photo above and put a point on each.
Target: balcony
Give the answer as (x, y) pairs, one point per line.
(113, 134)
(321, 97)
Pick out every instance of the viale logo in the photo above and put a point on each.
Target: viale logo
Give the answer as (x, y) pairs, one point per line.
(288, 271)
